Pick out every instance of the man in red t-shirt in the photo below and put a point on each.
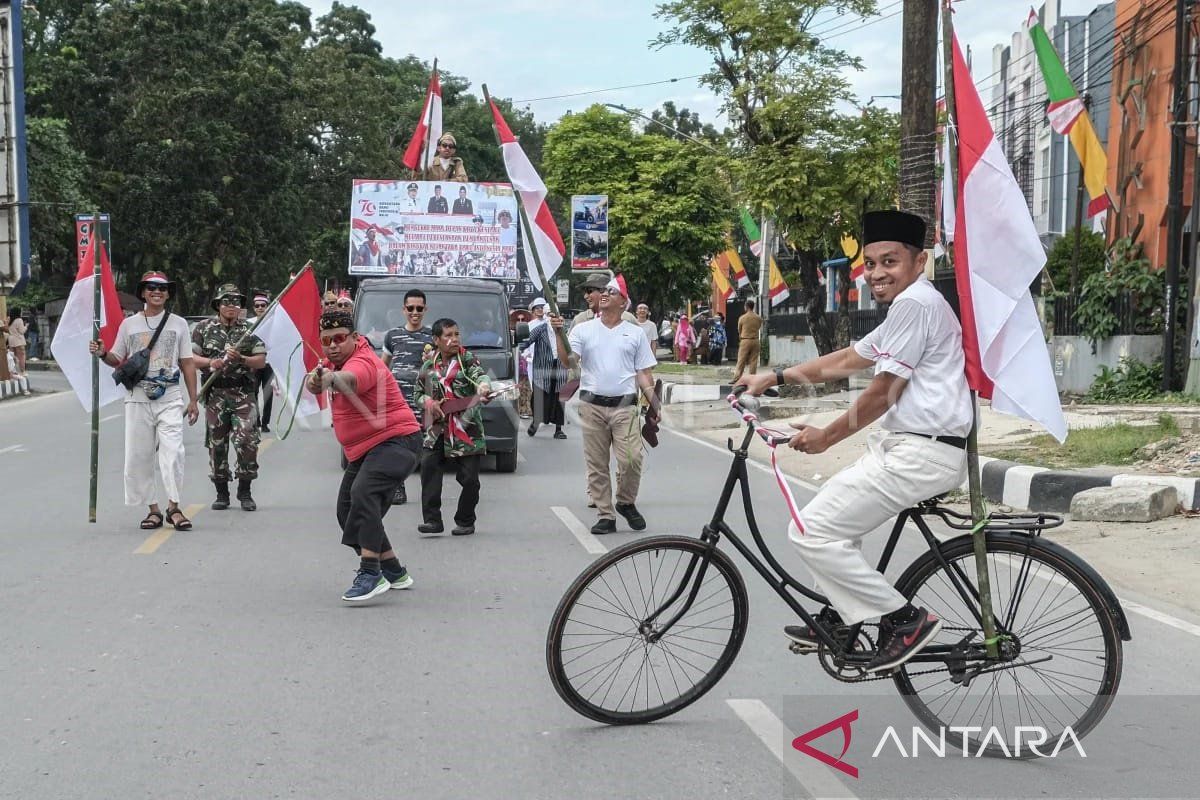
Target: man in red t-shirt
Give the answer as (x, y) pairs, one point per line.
(381, 438)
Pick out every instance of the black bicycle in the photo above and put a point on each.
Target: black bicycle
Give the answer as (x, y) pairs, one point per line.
(650, 627)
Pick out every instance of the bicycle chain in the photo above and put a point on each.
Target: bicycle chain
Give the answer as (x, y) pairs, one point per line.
(889, 676)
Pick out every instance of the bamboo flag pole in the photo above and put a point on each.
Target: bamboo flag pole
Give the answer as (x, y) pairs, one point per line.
(212, 375)
(975, 485)
(551, 299)
(97, 243)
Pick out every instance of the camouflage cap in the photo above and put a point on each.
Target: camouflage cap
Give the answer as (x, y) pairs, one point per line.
(227, 290)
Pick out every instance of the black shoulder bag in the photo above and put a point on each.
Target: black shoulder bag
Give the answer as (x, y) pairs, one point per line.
(132, 371)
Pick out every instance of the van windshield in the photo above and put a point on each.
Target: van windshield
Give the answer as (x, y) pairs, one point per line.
(480, 316)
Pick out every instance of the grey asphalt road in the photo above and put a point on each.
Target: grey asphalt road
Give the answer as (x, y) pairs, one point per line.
(223, 664)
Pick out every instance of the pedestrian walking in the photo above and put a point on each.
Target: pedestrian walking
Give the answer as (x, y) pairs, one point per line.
(154, 407)
(16, 340)
(380, 438)
(685, 339)
(646, 324)
(546, 374)
(716, 339)
(749, 328)
(405, 349)
(220, 345)
(453, 428)
(259, 300)
(615, 367)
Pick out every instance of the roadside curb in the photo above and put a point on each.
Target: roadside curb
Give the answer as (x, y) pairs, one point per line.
(14, 387)
(694, 392)
(1039, 489)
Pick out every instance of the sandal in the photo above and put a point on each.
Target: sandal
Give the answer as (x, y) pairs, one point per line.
(153, 520)
(178, 521)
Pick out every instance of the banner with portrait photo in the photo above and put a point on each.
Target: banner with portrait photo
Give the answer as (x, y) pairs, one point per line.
(589, 231)
(433, 228)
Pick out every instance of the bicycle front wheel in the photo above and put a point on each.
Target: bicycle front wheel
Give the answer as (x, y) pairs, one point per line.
(612, 663)
(1061, 649)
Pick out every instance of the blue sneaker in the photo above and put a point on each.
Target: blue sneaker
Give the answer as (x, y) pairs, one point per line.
(398, 580)
(366, 585)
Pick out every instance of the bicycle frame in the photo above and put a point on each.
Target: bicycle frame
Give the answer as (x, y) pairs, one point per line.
(781, 580)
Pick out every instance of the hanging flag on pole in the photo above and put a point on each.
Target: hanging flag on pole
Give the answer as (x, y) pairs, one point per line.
(776, 286)
(70, 344)
(1068, 116)
(719, 266)
(752, 232)
(858, 266)
(290, 328)
(422, 149)
(997, 254)
(736, 267)
(544, 236)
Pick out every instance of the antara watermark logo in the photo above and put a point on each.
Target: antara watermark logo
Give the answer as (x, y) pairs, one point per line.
(968, 742)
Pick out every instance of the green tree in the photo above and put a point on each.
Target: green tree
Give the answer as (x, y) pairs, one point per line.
(1091, 259)
(804, 163)
(685, 122)
(666, 215)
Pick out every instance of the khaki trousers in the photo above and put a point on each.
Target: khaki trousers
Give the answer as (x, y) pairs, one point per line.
(748, 351)
(611, 430)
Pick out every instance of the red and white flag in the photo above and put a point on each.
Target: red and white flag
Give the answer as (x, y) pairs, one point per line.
(544, 238)
(70, 344)
(997, 254)
(292, 333)
(429, 129)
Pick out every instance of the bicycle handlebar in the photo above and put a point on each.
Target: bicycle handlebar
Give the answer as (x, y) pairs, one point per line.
(747, 407)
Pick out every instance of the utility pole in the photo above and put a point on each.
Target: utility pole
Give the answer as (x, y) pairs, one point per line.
(1175, 194)
(918, 112)
(1087, 102)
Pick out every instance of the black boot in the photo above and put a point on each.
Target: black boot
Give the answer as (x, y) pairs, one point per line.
(243, 494)
(222, 501)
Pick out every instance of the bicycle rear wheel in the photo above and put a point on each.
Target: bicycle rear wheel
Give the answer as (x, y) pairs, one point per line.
(1064, 649)
(598, 650)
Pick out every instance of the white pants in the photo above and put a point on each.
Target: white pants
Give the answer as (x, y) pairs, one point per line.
(147, 425)
(896, 472)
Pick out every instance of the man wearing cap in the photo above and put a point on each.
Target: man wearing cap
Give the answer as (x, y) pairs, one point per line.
(446, 165)
(154, 408)
(593, 290)
(749, 347)
(259, 300)
(616, 367)
(545, 373)
(231, 402)
(920, 395)
(404, 351)
(410, 204)
(380, 438)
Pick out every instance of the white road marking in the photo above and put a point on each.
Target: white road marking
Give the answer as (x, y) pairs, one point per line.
(816, 779)
(111, 417)
(580, 531)
(13, 448)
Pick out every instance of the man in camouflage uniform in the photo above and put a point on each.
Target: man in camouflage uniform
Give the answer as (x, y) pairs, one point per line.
(446, 165)
(231, 404)
(451, 374)
(404, 353)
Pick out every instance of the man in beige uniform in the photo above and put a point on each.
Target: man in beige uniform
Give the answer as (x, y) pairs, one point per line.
(749, 327)
(446, 166)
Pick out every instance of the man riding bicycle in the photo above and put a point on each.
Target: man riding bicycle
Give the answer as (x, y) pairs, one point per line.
(920, 391)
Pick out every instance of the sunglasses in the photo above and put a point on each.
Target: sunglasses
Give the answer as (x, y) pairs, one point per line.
(231, 301)
(331, 302)
(414, 308)
(260, 305)
(156, 288)
(337, 338)
(448, 146)
(343, 304)
(612, 292)
(589, 289)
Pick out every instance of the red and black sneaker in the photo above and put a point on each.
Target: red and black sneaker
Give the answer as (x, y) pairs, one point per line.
(898, 642)
(805, 638)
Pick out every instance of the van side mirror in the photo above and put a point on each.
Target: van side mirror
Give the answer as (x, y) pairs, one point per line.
(522, 333)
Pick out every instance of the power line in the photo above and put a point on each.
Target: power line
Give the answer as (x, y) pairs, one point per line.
(610, 89)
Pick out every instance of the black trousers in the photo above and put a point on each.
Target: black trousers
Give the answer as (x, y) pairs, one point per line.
(432, 461)
(367, 488)
(547, 408)
(268, 392)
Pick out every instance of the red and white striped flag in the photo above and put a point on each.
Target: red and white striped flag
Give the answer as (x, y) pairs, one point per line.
(74, 331)
(544, 238)
(291, 330)
(997, 254)
(429, 129)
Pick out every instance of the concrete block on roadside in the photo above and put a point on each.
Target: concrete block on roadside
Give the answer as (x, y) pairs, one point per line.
(1131, 503)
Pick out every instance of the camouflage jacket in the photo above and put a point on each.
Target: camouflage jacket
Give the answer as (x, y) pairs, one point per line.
(209, 340)
(464, 426)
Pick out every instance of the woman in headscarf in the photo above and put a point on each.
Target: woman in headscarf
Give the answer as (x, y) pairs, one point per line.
(685, 339)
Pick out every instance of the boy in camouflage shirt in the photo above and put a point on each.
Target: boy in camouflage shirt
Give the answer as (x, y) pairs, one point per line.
(450, 375)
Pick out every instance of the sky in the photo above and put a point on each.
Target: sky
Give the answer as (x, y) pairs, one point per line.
(537, 51)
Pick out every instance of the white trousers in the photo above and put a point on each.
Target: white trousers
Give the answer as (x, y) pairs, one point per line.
(157, 424)
(896, 472)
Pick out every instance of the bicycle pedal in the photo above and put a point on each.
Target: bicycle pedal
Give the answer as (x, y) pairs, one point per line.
(801, 649)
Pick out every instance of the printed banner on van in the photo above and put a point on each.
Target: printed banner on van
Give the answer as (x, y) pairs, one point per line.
(589, 231)
(433, 228)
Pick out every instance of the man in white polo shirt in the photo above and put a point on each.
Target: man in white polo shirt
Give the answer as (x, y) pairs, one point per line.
(615, 366)
(921, 393)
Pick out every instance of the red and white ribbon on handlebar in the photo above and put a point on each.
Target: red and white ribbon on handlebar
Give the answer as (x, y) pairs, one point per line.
(769, 437)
